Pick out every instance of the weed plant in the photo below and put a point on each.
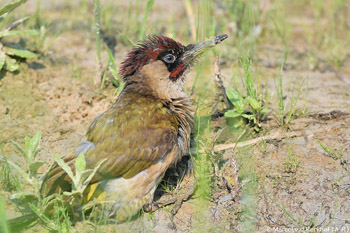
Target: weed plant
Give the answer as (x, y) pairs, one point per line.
(56, 211)
(251, 105)
(335, 154)
(9, 52)
(287, 111)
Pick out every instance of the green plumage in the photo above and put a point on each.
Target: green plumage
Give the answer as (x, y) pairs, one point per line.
(135, 132)
(132, 134)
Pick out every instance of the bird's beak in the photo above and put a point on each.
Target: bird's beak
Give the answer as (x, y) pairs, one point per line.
(194, 50)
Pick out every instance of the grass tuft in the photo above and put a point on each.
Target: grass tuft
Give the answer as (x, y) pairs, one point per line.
(149, 7)
(287, 111)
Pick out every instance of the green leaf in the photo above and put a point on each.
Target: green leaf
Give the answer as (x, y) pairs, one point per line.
(240, 105)
(236, 99)
(249, 116)
(64, 166)
(254, 103)
(80, 163)
(22, 195)
(83, 180)
(11, 64)
(3, 223)
(33, 167)
(73, 193)
(20, 53)
(232, 113)
(35, 142)
(19, 32)
(28, 149)
(233, 95)
(2, 59)
(19, 148)
(11, 6)
(20, 171)
(265, 111)
(31, 146)
(86, 176)
(87, 181)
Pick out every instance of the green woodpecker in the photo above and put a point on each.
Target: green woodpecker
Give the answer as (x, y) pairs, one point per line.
(143, 133)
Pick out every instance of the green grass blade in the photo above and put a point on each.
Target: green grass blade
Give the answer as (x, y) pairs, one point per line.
(105, 74)
(112, 60)
(19, 32)
(3, 222)
(11, 6)
(149, 7)
(97, 12)
(37, 14)
(2, 59)
(125, 38)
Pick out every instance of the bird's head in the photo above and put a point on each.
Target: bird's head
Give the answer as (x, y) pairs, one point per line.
(158, 65)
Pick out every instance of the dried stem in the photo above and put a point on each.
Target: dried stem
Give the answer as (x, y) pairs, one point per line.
(274, 136)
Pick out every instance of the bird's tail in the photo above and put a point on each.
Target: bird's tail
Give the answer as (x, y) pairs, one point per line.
(20, 223)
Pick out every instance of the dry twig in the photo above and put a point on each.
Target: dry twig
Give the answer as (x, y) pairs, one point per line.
(274, 136)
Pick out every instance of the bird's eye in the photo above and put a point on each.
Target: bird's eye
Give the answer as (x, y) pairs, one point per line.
(169, 58)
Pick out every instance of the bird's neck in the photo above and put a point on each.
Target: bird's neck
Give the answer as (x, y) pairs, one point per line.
(153, 79)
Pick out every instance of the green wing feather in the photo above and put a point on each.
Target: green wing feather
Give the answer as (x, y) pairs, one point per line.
(134, 133)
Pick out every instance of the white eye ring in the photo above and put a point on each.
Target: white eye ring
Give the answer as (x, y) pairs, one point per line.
(169, 58)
